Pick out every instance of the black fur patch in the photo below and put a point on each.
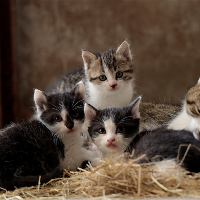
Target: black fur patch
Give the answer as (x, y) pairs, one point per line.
(121, 117)
(28, 150)
(69, 101)
(166, 143)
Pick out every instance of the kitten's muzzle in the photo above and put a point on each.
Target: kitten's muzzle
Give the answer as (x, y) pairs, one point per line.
(69, 123)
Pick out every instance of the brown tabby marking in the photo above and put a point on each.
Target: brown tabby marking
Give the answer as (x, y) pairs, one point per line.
(110, 63)
(95, 71)
(192, 101)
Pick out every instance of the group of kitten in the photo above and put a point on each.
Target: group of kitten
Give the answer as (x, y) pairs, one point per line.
(90, 114)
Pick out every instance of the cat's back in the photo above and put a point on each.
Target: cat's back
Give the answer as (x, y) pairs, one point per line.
(27, 149)
(166, 143)
(26, 132)
(67, 82)
(156, 115)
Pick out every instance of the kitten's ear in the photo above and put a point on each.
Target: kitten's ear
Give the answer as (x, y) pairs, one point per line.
(90, 112)
(79, 90)
(124, 50)
(40, 100)
(134, 107)
(88, 58)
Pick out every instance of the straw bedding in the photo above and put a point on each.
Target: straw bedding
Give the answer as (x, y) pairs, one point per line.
(116, 178)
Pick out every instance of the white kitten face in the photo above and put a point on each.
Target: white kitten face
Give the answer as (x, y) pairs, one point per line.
(111, 140)
(64, 127)
(112, 129)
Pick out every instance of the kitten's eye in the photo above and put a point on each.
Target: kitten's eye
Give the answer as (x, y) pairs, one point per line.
(120, 129)
(119, 74)
(102, 131)
(58, 119)
(102, 78)
(75, 115)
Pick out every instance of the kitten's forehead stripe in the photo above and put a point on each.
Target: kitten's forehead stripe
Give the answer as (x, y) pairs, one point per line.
(63, 114)
(110, 128)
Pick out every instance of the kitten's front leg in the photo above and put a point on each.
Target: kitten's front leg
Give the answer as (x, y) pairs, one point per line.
(92, 154)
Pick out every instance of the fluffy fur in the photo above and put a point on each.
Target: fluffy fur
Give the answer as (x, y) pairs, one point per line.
(107, 76)
(27, 151)
(112, 129)
(189, 117)
(115, 131)
(164, 144)
(64, 115)
(47, 143)
(109, 82)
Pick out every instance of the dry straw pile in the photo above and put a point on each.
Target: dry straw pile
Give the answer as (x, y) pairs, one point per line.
(117, 179)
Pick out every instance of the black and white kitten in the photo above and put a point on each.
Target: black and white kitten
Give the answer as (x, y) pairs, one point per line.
(112, 129)
(108, 78)
(115, 130)
(65, 119)
(47, 143)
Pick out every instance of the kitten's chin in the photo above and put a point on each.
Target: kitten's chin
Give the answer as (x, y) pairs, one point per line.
(70, 130)
(111, 146)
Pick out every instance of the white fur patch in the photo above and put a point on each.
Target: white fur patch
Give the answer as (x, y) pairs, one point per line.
(101, 96)
(166, 169)
(181, 121)
(110, 129)
(186, 122)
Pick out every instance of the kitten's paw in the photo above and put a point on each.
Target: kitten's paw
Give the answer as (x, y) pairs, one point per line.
(95, 150)
(96, 161)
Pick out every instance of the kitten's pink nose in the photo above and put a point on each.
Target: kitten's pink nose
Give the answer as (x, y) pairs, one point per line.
(111, 140)
(113, 85)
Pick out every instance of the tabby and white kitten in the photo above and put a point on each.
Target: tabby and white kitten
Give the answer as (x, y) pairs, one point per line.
(64, 116)
(112, 129)
(189, 117)
(108, 78)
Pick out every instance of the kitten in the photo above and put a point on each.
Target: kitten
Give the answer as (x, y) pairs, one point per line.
(112, 129)
(116, 130)
(108, 78)
(109, 81)
(65, 120)
(189, 117)
(45, 144)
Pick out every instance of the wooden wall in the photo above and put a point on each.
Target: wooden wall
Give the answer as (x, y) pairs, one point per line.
(49, 36)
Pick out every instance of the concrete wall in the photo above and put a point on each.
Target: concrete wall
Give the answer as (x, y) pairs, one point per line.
(164, 37)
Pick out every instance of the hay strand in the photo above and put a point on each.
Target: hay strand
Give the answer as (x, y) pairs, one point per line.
(116, 179)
